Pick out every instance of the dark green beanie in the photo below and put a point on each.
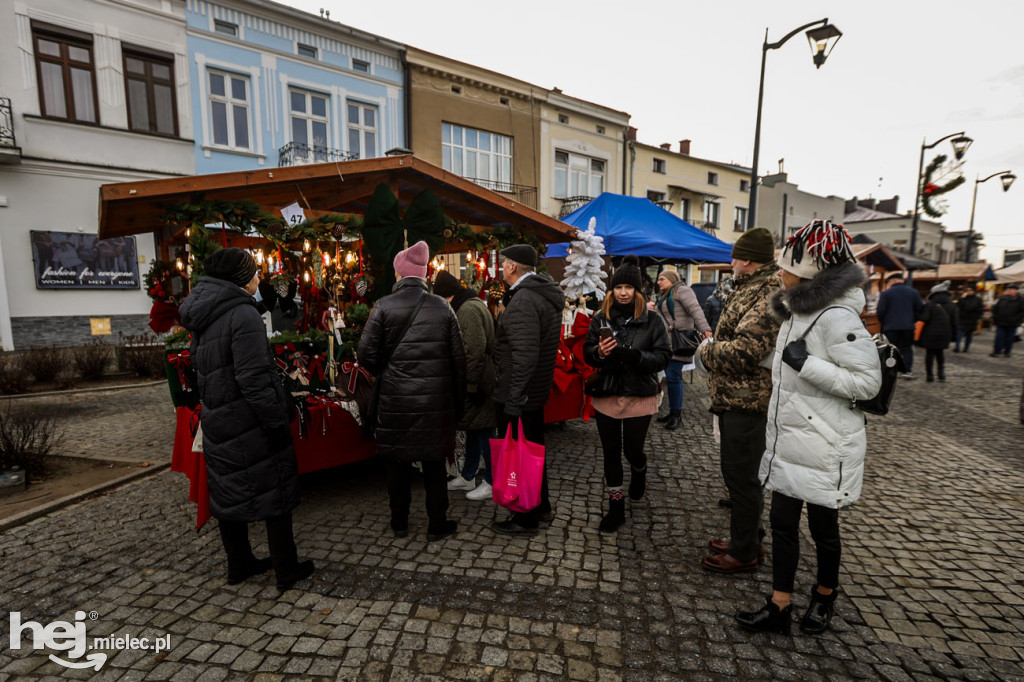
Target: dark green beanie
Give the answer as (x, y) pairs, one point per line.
(757, 245)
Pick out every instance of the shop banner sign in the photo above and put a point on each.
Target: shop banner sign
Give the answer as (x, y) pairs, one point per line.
(72, 260)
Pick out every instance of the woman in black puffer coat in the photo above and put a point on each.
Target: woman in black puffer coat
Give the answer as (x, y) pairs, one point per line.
(247, 442)
(422, 390)
(940, 324)
(628, 359)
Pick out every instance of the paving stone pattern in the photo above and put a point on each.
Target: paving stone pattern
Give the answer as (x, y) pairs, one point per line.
(932, 578)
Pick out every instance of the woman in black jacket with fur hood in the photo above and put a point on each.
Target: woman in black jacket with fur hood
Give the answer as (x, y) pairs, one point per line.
(628, 345)
(247, 441)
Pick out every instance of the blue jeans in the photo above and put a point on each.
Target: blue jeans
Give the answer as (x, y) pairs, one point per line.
(965, 335)
(674, 381)
(478, 443)
(1004, 339)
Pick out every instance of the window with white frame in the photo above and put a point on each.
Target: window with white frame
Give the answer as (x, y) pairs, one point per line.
(225, 27)
(362, 129)
(712, 213)
(577, 175)
(360, 65)
(712, 178)
(309, 115)
(739, 220)
(229, 110)
(744, 185)
(658, 166)
(479, 155)
(684, 208)
(305, 50)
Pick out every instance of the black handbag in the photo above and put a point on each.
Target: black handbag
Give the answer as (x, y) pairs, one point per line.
(602, 383)
(685, 341)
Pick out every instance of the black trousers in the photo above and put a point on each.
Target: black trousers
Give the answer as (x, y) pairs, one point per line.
(400, 494)
(235, 536)
(824, 525)
(903, 339)
(936, 356)
(618, 437)
(741, 450)
(533, 429)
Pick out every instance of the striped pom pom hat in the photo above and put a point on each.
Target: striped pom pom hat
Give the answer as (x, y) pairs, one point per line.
(816, 246)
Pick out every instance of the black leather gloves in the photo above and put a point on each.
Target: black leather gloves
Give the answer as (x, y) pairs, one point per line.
(795, 354)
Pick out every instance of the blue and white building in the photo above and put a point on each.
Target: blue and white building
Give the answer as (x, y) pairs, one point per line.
(272, 85)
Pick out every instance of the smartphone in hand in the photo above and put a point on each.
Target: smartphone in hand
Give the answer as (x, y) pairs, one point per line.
(606, 333)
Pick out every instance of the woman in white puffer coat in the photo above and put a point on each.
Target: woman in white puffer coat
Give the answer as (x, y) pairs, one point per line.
(824, 360)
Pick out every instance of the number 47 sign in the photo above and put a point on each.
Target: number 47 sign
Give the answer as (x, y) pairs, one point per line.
(293, 213)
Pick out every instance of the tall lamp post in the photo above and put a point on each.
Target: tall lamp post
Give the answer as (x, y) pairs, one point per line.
(960, 144)
(822, 40)
(1007, 177)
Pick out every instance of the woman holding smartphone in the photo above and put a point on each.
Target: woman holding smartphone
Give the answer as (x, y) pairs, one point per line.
(627, 344)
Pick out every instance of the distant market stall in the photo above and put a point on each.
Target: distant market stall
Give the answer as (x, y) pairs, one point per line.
(324, 234)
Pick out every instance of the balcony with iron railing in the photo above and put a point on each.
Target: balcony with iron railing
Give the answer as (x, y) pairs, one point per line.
(705, 226)
(524, 194)
(570, 204)
(10, 152)
(300, 154)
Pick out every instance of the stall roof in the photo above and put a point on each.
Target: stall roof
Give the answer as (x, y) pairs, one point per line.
(972, 272)
(343, 187)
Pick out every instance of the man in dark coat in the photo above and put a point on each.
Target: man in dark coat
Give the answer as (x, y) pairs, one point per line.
(247, 441)
(899, 308)
(970, 309)
(1007, 315)
(422, 373)
(526, 345)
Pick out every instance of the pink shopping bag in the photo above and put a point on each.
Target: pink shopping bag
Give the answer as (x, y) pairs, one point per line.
(518, 471)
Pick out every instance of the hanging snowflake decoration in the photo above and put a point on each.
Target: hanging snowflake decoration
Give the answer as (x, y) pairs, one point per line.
(938, 180)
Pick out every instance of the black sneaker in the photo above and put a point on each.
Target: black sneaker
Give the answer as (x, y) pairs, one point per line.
(449, 528)
(255, 567)
(510, 527)
(287, 579)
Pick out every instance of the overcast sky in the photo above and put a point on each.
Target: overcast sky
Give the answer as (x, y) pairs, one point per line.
(902, 72)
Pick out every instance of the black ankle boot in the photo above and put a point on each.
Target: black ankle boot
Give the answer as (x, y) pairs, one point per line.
(673, 420)
(289, 576)
(637, 483)
(615, 517)
(819, 611)
(769, 619)
(664, 418)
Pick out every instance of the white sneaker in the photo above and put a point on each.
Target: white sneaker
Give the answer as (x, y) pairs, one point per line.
(459, 483)
(481, 492)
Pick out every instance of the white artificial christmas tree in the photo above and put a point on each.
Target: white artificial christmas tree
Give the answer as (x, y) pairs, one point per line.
(584, 271)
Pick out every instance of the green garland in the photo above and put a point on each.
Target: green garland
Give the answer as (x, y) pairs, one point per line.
(930, 190)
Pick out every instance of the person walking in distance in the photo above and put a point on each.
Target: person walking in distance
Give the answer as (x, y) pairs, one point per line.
(969, 310)
(628, 345)
(1007, 314)
(899, 308)
(413, 346)
(679, 307)
(741, 384)
(824, 360)
(940, 324)
(477, 325)
(247, 441)
(526, 346)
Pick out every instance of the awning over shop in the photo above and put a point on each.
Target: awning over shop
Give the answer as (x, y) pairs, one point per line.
(342, 187)
(702, 192)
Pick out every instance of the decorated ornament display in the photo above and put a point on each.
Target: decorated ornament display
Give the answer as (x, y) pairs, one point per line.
(584, 271)
(938, 180)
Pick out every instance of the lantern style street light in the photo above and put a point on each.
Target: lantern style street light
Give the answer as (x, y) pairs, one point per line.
(1007, 178)
(960, 144)
(822, 39)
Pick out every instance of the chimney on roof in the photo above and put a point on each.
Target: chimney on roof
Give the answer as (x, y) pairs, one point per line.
(631, 133)
(889, 205)
(666, 146)
(851, 206)
(867, 203)
(684, 147)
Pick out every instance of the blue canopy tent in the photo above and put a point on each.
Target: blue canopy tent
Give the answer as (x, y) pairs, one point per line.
(631, 225)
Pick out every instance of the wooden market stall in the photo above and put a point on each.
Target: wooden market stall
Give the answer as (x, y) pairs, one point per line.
(345, 207)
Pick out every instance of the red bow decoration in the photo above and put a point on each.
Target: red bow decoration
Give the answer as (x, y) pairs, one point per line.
(316, 365)
(180, 362)
(352, 370)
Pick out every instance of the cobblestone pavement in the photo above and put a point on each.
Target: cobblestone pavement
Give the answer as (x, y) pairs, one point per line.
(932, 577)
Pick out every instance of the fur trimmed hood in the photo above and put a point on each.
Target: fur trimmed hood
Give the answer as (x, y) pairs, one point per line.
(827, 288)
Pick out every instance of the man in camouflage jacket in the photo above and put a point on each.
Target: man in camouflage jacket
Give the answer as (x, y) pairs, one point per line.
(740, 380)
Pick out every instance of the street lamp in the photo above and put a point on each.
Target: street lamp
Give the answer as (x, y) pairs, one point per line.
(960, 144)
(1007, 177)
(822, 40)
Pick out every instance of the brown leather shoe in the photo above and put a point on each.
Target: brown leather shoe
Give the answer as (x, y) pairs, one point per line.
(722, 547)
(725, 563)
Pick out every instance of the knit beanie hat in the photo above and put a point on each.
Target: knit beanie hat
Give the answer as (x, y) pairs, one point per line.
(756, 245)
(231, 264)
(446, 284)
(628, 272)
(943, 286)
(670, 275)
(816, 246)
(413, 261)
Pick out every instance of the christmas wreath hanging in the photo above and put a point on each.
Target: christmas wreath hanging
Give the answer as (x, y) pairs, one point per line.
(932, 189)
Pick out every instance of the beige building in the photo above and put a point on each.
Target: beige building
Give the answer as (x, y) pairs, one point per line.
(880, 221)
(581, 152)
(479, 124)
(783, 208)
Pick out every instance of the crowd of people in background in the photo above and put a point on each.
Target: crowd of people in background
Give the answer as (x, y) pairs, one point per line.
(782, 344)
